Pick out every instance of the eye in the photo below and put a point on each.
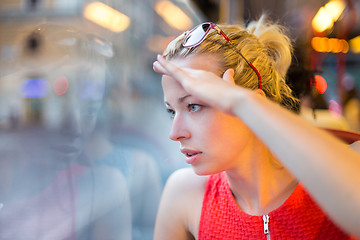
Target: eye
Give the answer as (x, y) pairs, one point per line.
(171, 113)
(194, 107)
(91, 109)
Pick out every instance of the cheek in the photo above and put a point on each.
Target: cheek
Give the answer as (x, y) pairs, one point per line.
(89, 127)
(229, 133)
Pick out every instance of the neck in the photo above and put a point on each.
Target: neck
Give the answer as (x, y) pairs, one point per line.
(262, 185)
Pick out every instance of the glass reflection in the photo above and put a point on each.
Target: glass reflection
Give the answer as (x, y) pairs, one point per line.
(48, 186)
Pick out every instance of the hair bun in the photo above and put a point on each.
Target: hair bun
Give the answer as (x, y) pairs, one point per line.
(276, 44)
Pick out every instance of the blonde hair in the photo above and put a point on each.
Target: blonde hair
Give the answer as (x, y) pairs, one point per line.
(263, 43)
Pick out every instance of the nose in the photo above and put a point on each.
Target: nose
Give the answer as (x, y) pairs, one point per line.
(179, 129)
(72, 124)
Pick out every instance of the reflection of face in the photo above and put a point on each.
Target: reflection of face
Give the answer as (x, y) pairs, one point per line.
(215, 140)
(67, 118)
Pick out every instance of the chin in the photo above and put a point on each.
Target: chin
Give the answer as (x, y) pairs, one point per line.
(203, 171)
(62, 160)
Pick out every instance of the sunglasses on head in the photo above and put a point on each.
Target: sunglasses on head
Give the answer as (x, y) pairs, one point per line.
(198, 34)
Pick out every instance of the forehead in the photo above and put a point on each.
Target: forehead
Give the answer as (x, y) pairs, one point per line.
(205, 62)
(172, 89)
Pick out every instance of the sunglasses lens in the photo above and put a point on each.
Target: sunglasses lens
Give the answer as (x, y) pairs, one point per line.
(196, 35)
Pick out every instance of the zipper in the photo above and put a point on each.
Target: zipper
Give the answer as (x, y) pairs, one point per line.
(266, 220)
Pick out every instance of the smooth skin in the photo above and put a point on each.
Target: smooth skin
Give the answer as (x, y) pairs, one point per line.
(328, 168)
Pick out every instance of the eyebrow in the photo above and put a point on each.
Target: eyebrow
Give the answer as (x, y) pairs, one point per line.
(180, 100)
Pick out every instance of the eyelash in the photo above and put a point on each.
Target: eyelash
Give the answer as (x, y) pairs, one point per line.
(189, 107)
(171, 113)
(193, 105)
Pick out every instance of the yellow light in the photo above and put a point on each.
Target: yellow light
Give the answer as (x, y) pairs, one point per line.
(322, 20)
(173, 15)
(355, 44)
(334, 8)
(106, 17)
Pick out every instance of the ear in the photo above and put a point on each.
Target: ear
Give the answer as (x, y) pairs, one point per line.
(260, 92)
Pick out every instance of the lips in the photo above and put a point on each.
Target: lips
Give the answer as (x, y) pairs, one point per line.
(191, 156)
(66, 149)
(65, 152)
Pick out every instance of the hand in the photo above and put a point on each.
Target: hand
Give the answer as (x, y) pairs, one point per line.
(204, 85)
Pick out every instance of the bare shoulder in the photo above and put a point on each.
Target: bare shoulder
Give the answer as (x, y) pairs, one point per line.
(186, 179)
(95, 179)
(180, 206)
(186, 189)
(103, 200)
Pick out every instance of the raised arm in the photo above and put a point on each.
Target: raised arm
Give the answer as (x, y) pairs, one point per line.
(329, 169)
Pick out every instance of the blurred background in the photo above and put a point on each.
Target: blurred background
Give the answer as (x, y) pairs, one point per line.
(114, 101)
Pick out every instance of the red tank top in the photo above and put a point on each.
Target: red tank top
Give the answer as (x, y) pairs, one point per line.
(298, 218)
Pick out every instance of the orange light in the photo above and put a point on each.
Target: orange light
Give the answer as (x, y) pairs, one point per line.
(324, 44)
(334, 45)
(345, 46)
(319, 44)
(320, 83)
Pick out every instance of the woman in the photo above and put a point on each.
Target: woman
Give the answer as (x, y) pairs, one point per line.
(247, 153)
(47, 189)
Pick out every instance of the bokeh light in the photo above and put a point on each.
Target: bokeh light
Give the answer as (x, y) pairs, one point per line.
(355, 44)
(34, 88)
(106, 17)
(173, 15)
(61, 85)
(327, 15)
(334, 45)
(335, 108)
(322, 20)
(321, 84)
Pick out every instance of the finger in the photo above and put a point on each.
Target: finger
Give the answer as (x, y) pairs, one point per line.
(158, 68)
(228, 75)
(171, 69)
